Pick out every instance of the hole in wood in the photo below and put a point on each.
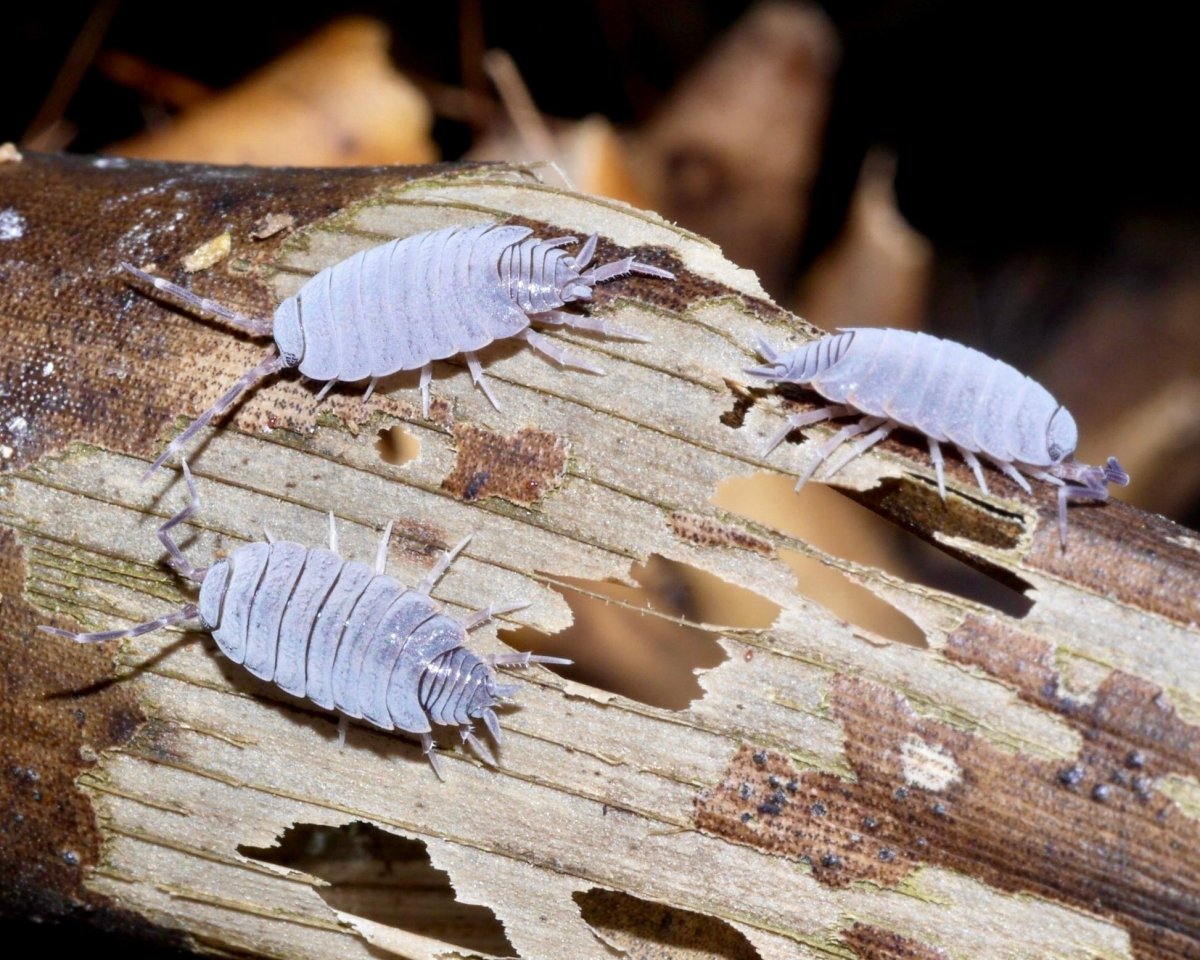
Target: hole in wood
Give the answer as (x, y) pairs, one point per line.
(641, 928)
(397, 446)
(850, 600)
(831, 521)
(388, 879)
(645, 642)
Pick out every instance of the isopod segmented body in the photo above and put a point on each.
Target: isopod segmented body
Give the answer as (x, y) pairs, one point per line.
(947, 391)
(405, 303)
(344, 635)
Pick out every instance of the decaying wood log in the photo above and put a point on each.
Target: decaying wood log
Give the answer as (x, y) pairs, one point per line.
(1016, 787)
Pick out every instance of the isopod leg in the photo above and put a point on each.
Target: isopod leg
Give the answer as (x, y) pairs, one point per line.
(201, 305)
(480, 617)
(939, 465)
(830, 445)
(180, 563)
(430, 752)
(426, 376)
(579, 321)
(492, 722)
(1012, 473)
(861, 446)
(273, 363)
(343, 726)
(480, 748)
(557, 354)
(976, 468)
(1068, 492)
(476, 369)
(321, 394)
(535, 164)
(333, 541)
(798, 420)
(1071, 492)
(370, 389)
(447, 558)
(381, 554)
(189, 612)
(524, 659)
(766, 351)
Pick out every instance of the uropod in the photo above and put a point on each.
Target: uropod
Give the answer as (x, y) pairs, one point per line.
(947, 391)
(342, 634)
(405, 303)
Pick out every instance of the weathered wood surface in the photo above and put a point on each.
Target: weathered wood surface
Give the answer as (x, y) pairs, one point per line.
(1017, 787)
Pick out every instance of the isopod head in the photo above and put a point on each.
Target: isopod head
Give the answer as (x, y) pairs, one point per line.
(288, 334)
(1062, 436)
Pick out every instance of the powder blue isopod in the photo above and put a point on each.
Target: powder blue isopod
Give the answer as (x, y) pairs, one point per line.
(950, 393)
(344, 635)
(405, 303)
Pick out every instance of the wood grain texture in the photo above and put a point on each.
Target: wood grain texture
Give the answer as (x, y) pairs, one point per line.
(978, 758)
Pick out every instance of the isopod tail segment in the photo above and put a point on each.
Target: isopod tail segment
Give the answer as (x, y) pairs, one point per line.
(808, 365)
(448, 685)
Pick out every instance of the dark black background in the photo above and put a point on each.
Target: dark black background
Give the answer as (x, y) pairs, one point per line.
(1014, 123)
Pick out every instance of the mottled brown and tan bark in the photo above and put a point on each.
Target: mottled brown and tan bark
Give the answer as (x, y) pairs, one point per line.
(1016, 787)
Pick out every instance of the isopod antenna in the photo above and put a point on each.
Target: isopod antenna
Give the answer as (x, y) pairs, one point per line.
(178, 562)
(272, 363)
(1083, 482)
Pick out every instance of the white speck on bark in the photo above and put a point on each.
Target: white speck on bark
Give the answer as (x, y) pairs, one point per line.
(928, 765)
(12, 224)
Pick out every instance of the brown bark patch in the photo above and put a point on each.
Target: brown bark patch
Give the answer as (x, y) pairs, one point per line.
(521, 467)
(875, 943)
(59, 707)
(816, 818)
(1025, 661)
(710, 532)
(1131, 732)
(419, 538)
(1094, 834)
(1135, 558)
